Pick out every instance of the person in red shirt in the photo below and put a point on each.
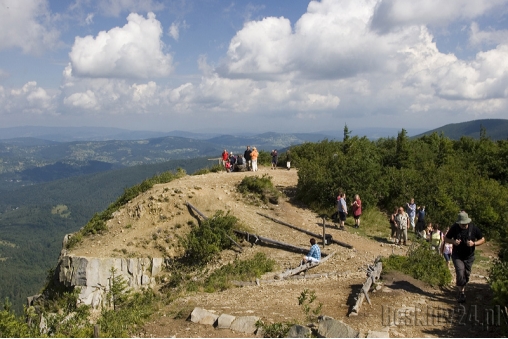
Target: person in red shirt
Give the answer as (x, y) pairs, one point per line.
(356, 206)
(225, 158)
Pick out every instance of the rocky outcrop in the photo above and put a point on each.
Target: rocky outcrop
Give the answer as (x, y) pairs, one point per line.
(93, 275)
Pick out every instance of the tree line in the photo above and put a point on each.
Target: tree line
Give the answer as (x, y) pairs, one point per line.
(445, 175)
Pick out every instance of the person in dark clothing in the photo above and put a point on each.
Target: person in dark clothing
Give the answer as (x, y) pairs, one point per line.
(420, 224)
(247, 157)
(464, 236)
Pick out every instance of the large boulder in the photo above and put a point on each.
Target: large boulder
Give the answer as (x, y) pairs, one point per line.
(225, 320)
(299, 331)
(245, 324)
(331, 328)
(201, 316)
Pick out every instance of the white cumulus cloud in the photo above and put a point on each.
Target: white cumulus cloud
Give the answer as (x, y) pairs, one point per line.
(27, 25)
(132, 51)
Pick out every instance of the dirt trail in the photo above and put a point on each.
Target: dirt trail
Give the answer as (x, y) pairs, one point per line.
(149, 224)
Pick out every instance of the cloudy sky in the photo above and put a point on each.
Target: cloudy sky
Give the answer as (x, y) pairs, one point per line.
(260, 65)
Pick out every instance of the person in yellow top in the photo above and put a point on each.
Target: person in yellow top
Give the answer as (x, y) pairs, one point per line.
(436, 238)
(254, 157)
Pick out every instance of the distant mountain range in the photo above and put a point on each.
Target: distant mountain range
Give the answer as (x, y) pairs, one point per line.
(31, 155)
(69, 134)
(496, 129)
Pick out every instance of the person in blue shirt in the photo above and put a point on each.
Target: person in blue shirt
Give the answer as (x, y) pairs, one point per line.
(314, 253)
(411, 211)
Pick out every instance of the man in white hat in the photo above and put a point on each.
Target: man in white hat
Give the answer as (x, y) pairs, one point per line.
(465, 237)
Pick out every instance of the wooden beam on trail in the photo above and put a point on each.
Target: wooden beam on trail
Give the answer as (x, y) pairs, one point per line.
(302, 268)
(259, 282)
(305, 231)
(254, 239)
(205, 217)
(373, 274)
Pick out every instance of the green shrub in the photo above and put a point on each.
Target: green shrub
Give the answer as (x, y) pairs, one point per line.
(275, 330)
(124, 321)
(261, 187)
(209, 238)
(421, 263)
(214, 169)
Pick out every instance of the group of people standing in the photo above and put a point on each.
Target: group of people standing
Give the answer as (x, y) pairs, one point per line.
(246, 162)
(249, 160)
(456, 244)
(342, 210)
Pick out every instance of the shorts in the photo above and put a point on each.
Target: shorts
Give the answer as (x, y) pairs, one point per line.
(342, 216)
(447, 256)
(357, 216)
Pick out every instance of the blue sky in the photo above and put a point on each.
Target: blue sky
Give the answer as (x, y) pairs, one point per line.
(252, 66)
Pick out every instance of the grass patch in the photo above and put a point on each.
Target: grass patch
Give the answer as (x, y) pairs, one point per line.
(245, 270)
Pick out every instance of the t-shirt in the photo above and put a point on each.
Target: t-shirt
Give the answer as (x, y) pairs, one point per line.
(462, 251)
(341, 205)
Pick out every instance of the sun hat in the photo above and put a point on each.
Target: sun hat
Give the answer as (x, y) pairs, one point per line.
(463, 218)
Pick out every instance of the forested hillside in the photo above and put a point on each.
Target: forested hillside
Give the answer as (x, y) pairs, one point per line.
(34, 219)
(497, 129)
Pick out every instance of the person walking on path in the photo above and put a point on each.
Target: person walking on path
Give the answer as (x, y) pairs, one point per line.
(402, 224)
(248, 159)
(356, 206)
(411, 211)
(464, 236)
(254, 159)
(314, 254)
(342, 209)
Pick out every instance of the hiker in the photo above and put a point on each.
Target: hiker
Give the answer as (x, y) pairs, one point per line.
(247, 156)
(447, 249)
(225, 157)
(274, 158)
(436, 239)
(464, 236)
(411, 211)
(314, 254)
(288, 159)
(254, 158)
(402, 224)
(420, 223)
(393, 227)
(356, 206)
(342, 209)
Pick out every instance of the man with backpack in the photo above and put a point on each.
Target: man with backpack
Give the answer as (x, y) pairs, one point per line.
(464, 236)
